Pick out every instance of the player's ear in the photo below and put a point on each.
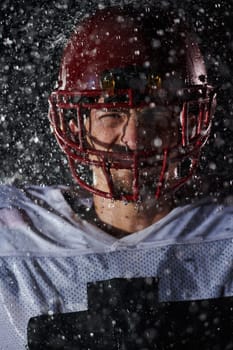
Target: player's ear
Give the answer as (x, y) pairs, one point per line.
(73, 127)
(87, 124)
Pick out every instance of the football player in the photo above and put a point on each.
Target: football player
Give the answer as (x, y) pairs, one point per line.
(132, 107)
(132, 110)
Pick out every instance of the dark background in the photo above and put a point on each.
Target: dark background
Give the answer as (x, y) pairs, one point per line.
(32, 35)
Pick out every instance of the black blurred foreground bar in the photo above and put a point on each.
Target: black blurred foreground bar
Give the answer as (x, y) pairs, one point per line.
(125, 314)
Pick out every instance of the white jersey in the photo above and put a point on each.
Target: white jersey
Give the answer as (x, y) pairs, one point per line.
(48, 255)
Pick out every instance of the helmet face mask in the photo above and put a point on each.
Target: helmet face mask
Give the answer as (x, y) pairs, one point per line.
(94, 109)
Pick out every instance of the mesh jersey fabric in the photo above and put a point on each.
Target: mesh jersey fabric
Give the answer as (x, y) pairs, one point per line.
(47, 256)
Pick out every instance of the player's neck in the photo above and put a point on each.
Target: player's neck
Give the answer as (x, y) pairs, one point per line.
(126, 218)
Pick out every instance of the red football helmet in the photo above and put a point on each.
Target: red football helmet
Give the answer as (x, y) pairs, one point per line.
(123, 59)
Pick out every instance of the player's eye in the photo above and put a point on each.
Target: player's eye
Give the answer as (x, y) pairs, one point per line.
(111, 115)
(112, 120)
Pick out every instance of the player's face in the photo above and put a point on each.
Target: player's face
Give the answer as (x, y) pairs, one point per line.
(127, 130)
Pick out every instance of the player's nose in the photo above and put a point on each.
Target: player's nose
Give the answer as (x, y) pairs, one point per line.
(130, 133)
(138, 133)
